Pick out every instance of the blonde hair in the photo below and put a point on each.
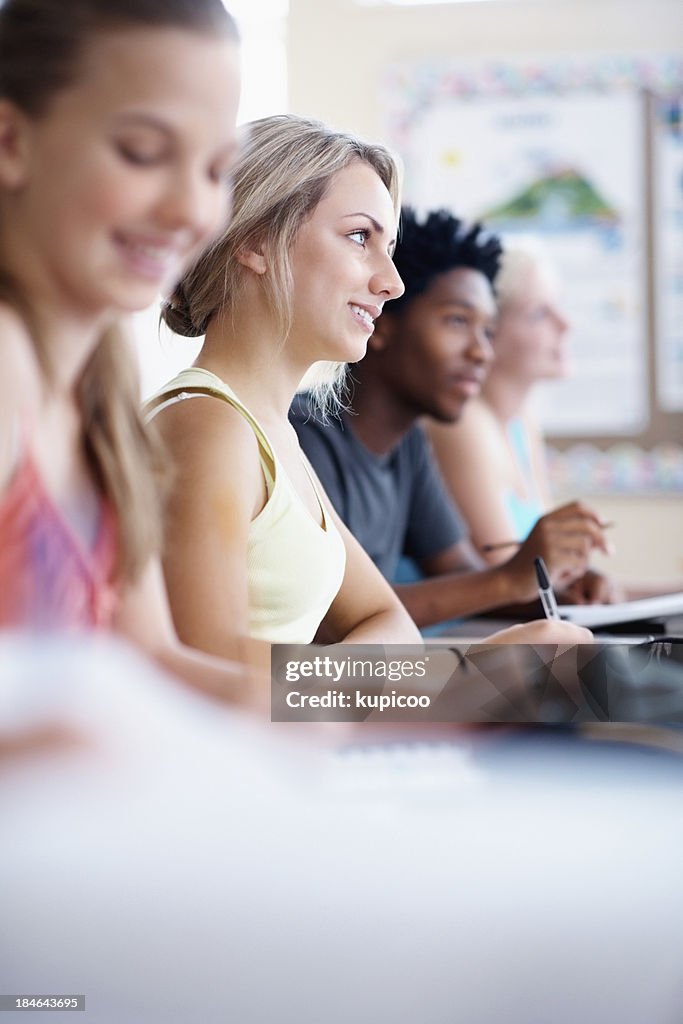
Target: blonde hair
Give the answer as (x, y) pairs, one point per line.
(41, 48)
(521, 256)
(285, 168)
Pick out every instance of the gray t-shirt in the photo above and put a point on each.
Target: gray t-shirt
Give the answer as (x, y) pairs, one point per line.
(393, 504)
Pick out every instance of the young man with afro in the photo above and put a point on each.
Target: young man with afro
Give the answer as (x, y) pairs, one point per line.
(428, 355)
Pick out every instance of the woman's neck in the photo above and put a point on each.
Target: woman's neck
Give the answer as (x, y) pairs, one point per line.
(247, 353)
(69, 345)
(65, 338)
(505, 395)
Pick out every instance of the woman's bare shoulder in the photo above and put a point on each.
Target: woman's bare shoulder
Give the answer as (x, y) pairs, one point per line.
(197, 424)
(211, 446)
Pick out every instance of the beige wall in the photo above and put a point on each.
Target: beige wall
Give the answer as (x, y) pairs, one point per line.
(337, 50)
(647, 536)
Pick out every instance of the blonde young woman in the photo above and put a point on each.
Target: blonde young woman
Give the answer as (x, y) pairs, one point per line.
(492, 459)
(117, 133)
(254, 548)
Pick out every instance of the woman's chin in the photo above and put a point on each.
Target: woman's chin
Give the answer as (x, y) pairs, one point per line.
(350, 353)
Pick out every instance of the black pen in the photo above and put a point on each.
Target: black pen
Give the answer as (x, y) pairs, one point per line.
(545, 591)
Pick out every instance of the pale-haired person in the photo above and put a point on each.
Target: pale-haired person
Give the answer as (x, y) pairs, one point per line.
(493, 458)
(117, 133)
(255, 551)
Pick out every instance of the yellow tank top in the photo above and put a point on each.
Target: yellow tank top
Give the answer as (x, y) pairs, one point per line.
(294, 566)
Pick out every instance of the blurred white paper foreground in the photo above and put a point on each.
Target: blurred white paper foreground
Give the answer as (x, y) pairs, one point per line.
(182, 864)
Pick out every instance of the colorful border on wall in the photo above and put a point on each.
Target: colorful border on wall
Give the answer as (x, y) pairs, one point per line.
(624, 468)
(412, 87)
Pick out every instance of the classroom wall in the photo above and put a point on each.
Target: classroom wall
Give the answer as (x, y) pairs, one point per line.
(337, 50)
(336, 55)
(647, 536)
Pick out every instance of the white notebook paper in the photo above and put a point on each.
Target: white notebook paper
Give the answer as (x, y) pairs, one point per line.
(594, 615)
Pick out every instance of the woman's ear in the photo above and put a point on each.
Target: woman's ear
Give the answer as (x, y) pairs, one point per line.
(13, 145)
(253, 259)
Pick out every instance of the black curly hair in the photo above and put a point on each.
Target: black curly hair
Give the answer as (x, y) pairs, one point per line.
(440, 243)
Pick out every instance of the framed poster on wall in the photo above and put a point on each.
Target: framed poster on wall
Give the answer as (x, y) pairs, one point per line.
(558, 151)
(668, 234)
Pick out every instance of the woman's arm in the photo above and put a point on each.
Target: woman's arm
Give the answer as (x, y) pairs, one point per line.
(145, 619)
(473, 464)
(366, 609)
(539, 461)
(217, 488)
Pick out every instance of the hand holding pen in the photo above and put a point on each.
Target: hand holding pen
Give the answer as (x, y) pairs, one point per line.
(545, 590)
(564, 538)
(553, 620)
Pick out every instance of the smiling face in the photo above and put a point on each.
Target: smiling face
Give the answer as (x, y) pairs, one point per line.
(123, 179)
(434, 352)
(531, 334)
(342, 268)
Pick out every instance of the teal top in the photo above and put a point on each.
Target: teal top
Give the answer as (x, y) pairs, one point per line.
(522, 511)
(295, 566)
